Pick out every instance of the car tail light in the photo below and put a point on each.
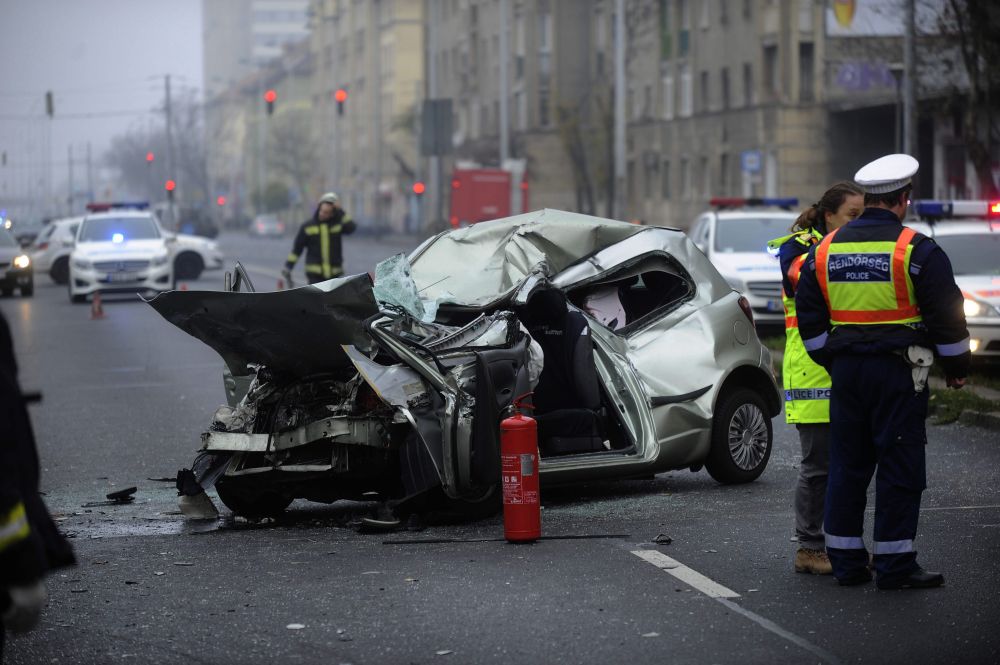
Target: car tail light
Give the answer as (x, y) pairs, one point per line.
(745, 306)
(42, 245)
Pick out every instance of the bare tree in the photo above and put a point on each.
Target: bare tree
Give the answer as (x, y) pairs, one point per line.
(292, 152)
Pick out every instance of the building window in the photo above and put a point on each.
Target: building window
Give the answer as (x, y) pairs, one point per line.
(668, 97)
(543, 108)
(687, 93)
(771, 72)
(724, 83)
(703, 92)
(665, 180)
(748, 92)
(686, 192)
(683, 35)
(521, 109)
(704, 21)
(747, 9)
(706, 176)
(647, 101)
(807, 91)
(649, 175)
(723, 12)
(665, 42)
(519, 46)
(630, 179)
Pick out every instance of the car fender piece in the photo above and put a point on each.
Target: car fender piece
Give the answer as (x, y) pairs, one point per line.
(675, 399)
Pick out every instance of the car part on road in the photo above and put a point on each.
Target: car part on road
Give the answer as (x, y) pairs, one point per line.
(188, 265)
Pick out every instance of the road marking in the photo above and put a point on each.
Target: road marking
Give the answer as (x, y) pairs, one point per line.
(722, 594)
(687, 575)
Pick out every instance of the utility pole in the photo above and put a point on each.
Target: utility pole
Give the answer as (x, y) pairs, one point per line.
(909, 82)
(69, 163)
(90, 174)
(435, 160)
(619, 171)
(379, 132)
(170, 146)
(504, 87)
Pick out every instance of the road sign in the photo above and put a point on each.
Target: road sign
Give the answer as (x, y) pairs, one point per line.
(750, 161)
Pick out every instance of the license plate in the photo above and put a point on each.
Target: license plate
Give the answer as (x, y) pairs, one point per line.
(774, 305)
(121, 276)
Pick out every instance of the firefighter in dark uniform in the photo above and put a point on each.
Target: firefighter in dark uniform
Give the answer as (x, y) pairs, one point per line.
(30, 544)
(320, 237)
(877, 303)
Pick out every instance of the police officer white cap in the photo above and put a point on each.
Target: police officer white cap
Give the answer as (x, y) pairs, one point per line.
(887, 174)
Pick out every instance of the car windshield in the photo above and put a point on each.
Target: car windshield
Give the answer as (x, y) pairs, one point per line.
(6, 239)
(972, 254)
(118, 229)
(748, 234)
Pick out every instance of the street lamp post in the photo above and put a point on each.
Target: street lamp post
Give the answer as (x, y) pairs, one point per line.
(897, 70)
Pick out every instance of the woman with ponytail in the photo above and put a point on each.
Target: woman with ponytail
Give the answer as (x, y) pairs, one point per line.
(806, 384)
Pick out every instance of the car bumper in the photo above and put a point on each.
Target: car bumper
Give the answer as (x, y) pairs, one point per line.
(152, 278)
(11, 278)
(985, 336)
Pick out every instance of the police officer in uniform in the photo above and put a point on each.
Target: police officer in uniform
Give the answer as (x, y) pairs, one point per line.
(876, 304)
(320, 237)
(806, 384)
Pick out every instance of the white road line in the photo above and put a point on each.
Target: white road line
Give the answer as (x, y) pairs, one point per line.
(684, 574)
(720, 593)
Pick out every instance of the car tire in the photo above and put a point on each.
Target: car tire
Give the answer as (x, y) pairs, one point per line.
(27, 291)
(59, 272)
(253, 504)
(742, 437)
(188, 265)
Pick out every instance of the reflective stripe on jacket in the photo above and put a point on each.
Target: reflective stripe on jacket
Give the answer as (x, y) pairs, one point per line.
(867, 282)
(806, 384)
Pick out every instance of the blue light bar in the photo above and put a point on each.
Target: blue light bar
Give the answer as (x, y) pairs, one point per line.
(933, 208)
(781, 203)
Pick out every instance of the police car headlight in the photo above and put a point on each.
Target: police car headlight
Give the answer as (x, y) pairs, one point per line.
(159, 259)
(22, 261)
(82, 264)
(972, 308)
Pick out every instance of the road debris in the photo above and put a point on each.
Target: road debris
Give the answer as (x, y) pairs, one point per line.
(119, 498)
(295, 626)
(653, 634)
(663, 539)
(444, 652)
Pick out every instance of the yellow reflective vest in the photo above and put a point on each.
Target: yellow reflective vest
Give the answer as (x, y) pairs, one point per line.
(806, 384)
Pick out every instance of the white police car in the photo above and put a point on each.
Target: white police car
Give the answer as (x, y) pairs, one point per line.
(120, 251)
(734, 237)
(969, 233)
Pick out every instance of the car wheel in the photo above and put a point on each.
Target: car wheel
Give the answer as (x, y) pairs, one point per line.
(188, 266)
(28, 291)
(741, 438)
(255, 504)
(59, 272)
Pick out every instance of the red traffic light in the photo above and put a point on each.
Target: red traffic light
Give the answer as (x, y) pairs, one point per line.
(340, 96)
(170, 185)
(221, 200)
(418, 188)
(150, 157)
(270, 96)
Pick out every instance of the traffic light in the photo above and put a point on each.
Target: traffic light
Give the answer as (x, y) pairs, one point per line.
(419, 188)
(149, 158)
(221, 201)
(170, 186)
(270, 96)
(340, 97)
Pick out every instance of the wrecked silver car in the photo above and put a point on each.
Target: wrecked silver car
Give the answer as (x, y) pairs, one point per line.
(639, 355)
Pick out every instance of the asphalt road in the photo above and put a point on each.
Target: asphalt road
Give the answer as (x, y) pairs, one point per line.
(126, 397)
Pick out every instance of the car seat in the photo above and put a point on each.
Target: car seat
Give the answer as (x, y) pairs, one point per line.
(567, 398)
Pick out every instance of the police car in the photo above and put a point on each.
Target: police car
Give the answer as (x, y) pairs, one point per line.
(120, 251)
(734, 237)
(969, 232)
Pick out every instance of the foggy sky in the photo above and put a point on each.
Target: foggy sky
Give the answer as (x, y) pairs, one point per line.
(102, 57)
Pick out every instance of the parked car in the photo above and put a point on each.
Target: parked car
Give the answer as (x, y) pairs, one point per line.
(265, 226)
(16, 271)
(734, 237)
(51, 249)
(969, 233)
(345, 387)
(120, 251)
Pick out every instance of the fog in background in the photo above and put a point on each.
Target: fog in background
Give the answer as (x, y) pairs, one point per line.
(104, 61)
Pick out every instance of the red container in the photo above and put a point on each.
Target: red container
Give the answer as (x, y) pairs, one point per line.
(522, 511)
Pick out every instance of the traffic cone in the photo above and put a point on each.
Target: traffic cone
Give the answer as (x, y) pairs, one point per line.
(184, 287)
(96, 311)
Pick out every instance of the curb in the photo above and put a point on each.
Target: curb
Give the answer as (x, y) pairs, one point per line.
(985, 419)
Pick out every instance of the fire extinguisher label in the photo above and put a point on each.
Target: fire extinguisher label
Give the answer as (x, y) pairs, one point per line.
(511, 470)
(527, 464)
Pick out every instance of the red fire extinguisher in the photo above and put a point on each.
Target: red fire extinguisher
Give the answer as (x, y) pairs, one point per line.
(522, 512)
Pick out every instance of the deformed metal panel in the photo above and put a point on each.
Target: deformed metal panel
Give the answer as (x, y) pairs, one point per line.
(355, 431)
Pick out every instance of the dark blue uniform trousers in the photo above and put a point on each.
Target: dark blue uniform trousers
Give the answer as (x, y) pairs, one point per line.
(877, 426)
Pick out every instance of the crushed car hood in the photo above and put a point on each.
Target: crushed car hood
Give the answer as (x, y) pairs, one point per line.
(481, 264)
(297, 332)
